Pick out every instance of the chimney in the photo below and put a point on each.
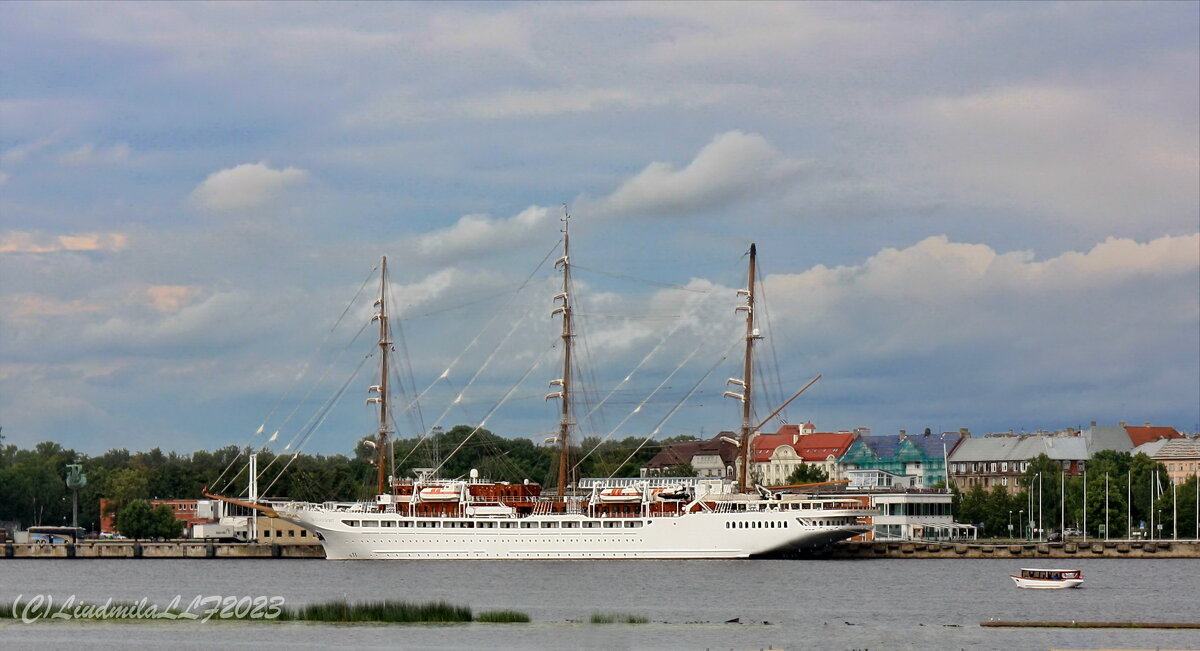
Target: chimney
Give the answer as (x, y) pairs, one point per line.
(1121, 423)
(1147, 423)
(1093, 423)
(964, 432)
(903, 435)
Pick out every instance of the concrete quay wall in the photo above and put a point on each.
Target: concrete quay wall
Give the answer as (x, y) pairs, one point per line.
(159, 549)
(1073, 549)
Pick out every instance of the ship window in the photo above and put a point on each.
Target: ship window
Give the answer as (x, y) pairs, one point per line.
(487, 525)
(549, 525)
(507, 525)
(570, 525)
(633, 524)
(611, 525)
(591, 524)
(467, 525)
(404, 523)
(350, 523)
(370, 523)
(388, 523)
(528, 525)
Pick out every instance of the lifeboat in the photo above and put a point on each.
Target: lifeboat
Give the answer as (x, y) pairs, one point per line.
(440, 494)
(624, 495)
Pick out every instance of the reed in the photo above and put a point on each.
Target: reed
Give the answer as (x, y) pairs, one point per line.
(617, 618)
(395, 612)
(502, 617)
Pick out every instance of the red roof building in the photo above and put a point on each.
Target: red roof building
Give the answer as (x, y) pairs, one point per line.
(774, 457)
(1145, 434)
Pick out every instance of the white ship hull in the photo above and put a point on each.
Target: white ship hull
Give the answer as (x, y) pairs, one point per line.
(702, 535)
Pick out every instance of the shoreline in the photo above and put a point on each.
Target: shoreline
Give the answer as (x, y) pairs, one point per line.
(179, 549)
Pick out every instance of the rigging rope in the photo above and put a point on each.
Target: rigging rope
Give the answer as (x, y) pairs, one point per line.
(446, 373)
(536, 363)
(673, 411)
(300, 374)
(327, 410)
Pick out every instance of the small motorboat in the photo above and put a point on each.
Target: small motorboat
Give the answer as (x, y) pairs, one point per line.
(1040, 579)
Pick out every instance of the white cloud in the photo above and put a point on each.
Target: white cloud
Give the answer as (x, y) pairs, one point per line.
(18, 154)
(90, 154)
(473, 233)
(34, 242)
(733, 167)
(1068, 150)
(249, 185)
(1119, 307)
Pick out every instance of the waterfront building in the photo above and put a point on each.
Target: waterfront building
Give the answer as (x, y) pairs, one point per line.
(917, 515)
(1181, 457)
(1124, 438)
(1001, 460)
(712, 458)
(922, 456)
(774, 457)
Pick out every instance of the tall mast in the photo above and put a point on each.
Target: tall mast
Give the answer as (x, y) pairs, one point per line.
(747, 372)
(385, 349)
(564, 383)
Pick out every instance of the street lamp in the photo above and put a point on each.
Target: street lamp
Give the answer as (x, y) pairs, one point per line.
(1021, 517)
(1010, 524)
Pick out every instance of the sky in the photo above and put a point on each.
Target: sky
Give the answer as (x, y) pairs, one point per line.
(979, 215)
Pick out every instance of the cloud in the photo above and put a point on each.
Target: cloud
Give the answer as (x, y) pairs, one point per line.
(1074, 151)
(32, 242)
(972, 321)
(473, 233)
(250, 185)
(733, 167)
(170, 298)
(18, 154)
(89, 154)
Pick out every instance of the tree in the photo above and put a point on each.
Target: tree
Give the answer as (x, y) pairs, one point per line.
(164, 524)
(680, 470)
(136, 520)
(806, 474)
(124, 486)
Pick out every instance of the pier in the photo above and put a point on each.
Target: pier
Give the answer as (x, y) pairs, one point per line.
(843, 550)
(160, 549)
(1070, 549)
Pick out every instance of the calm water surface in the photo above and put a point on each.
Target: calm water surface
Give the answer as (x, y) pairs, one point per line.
(863, 604)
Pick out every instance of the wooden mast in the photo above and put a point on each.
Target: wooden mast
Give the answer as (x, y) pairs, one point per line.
(384, 348)
(564, 425)
(748, 375)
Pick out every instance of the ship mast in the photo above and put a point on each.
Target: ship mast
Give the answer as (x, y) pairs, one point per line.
(747, 374)
(564, 383)
(385, 346)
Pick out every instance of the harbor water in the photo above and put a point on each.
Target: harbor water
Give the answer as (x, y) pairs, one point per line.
(787, 604)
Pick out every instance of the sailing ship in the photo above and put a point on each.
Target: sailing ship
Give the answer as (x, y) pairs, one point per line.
(427, 517)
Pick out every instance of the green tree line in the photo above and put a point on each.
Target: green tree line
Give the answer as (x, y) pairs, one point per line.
(1119, 475)
(33, 490)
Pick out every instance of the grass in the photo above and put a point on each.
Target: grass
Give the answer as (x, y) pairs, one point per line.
(393, 612)
(502, 617)
(384, 611)
(617, 618)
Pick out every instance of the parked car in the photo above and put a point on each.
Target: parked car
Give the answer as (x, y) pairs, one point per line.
(1055, 536)
(1072, 533)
